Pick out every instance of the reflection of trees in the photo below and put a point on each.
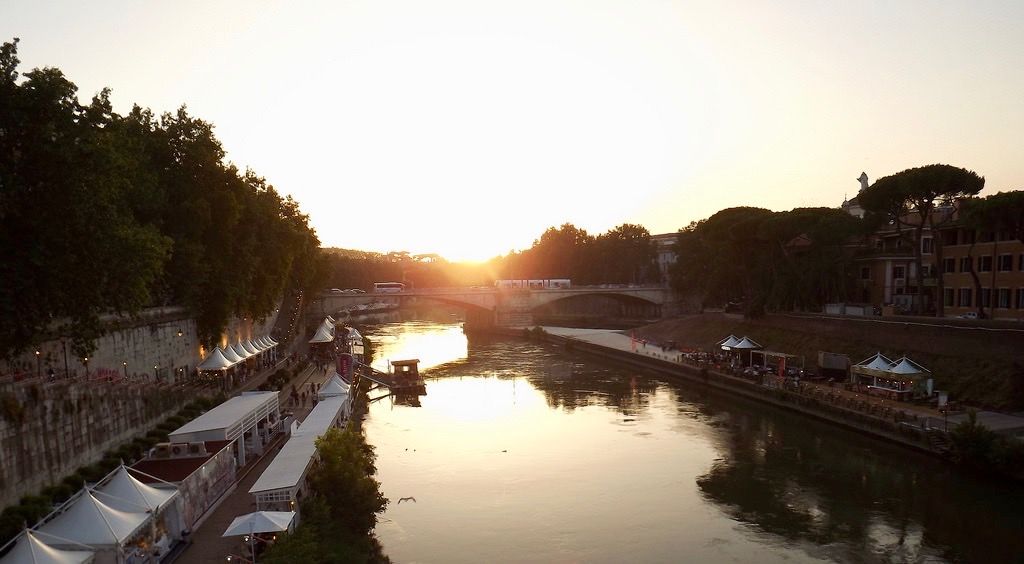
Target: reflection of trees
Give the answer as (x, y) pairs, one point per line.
(567, 383)
(808, 481)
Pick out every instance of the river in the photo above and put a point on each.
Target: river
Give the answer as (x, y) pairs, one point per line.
(520, 452)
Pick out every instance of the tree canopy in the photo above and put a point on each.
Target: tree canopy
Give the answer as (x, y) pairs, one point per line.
(103, 213)
(778, 260)
(912, 199)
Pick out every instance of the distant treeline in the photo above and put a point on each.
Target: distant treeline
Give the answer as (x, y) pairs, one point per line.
(104, 213)
(760, 259)
(622, 255)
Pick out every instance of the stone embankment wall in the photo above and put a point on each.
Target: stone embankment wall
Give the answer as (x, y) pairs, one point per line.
(51, 426)
(162, 345)
(49, 430)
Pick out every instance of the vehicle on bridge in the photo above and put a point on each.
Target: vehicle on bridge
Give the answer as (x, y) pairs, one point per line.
(388, 287)
(535, 284)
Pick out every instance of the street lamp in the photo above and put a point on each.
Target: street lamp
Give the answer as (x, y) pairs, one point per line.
(125, 365)
(37, 364)
(155, 376)
(85, 361)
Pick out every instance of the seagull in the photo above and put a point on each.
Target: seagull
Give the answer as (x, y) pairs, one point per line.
(410, 498)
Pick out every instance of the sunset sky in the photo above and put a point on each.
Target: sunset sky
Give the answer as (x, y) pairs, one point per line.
(467, 128)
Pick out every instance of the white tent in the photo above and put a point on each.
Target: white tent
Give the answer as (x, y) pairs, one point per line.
(215, 361)
(260, 522)
(877, 362)
(329, 318)
(92, 522)
(729, 342)
(240, 350)
(263, 342)
(746, 343)
(126, 493)
(30, 550)
(323, 335)
(231, 355)
(905, 366)
(335, 386)
(354, 335)
(272, 341)
(248, 347)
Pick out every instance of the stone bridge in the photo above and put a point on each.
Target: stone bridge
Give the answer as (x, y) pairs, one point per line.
(507, 307)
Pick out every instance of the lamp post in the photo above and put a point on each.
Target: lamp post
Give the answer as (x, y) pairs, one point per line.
(124, 364)
(155, 376)
(38, 369)
(85, 361)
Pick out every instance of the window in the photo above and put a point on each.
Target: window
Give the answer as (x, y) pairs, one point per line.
(1005, 263)
(1020, 298)
(987, 237)
(985, 263)
(965, 264)
(1022, 262)
(926, 245)
(927, 271)
(968, 238)
(898, 272)
(865, 273)
(986, 297)
(965, 297)
(949, 265)
(947, 297)
(1003, 298)
(949, 238)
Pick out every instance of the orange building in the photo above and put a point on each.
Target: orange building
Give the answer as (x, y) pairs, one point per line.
(887, 270)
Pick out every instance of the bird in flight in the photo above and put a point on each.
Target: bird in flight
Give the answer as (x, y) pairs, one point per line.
(410, 498)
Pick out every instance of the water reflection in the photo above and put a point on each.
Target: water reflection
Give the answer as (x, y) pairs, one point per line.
(523, 453)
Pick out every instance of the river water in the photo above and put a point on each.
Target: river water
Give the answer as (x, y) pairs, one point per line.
(520, 452)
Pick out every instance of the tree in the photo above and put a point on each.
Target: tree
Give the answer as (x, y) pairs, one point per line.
(920, 198)
(344, 479)
(102, 213)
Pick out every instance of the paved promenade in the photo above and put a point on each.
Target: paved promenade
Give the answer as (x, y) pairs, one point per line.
(207, 545)
(620, 341)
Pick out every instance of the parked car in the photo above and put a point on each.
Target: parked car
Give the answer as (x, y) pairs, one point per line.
(969, 315)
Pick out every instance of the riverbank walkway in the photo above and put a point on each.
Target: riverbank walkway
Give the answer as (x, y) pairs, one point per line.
(207, 545)
(615, 339)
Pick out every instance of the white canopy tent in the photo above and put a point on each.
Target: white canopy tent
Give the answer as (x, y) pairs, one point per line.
(87, 520)
(231, 355)
(215, 361)
(260, 522)
(240, 351)
(907, 367)
(323, 335)
(124, 492)
(28, 549)
(354, 336)
(746, 343)
(877, 362)
(247, 345)
(334, 386)
(728, 342)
